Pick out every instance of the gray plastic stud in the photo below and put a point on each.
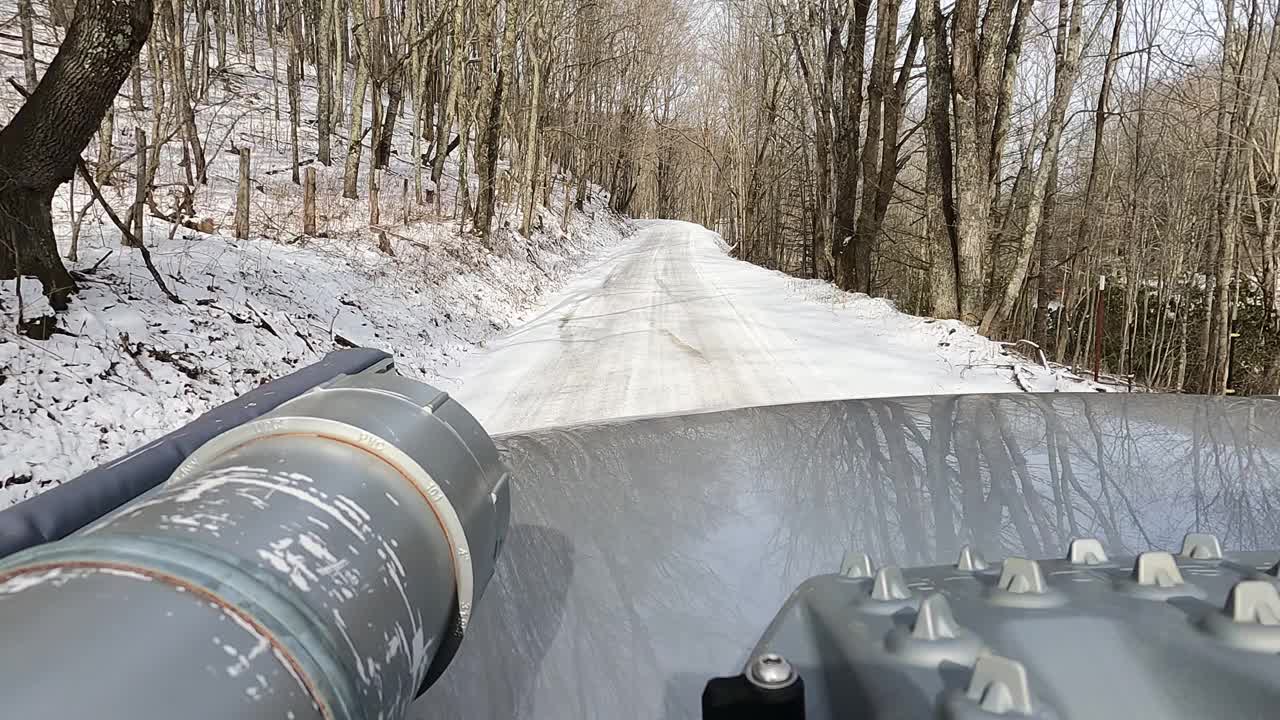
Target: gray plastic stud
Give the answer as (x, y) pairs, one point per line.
(1086, 551)
(1274, 570)
(890, 585)
(1254, 601)
(970, 560)
(935, 621)
(999, 686)
(771, 671)
(1201, 546)
(1021, 575)
(856, 565)
(1156, 568)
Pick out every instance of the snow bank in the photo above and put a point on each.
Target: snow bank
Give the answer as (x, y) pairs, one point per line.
(973, 362)
(126, 365)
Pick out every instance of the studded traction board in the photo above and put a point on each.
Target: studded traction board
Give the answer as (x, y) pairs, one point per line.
(1192, 635)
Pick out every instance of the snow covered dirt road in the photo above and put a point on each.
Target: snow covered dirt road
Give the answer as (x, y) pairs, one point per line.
(668, 322)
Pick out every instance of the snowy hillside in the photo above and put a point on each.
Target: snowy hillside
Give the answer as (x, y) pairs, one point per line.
(125, 364)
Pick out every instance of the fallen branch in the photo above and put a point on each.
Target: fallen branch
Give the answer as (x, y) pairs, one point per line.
(134, 352)
(1017, 378)
(84, 274)
(132, 241)
(262, 322)
(398, 236)
(1044, 361)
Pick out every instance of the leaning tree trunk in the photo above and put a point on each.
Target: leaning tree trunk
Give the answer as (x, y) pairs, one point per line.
(395, 97)
(1070, 45)
(457, 50)
(41, 144)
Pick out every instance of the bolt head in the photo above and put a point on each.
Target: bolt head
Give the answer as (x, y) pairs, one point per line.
(771, 671)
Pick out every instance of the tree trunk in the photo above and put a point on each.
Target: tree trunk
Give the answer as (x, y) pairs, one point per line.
(341, 51)
(42, 142)
(857, 254)
(940, 204)
(973, 195)
(1237, 120)
(423, 102)
(1004, 101)
(527, 180)
(309, 202)
(375, 210)
(62, 12)
(201, 57)
(323, 31)
(842, 143)
(220, 22)
(1069, 46)
(139, 213)
(486, 202)
(395, 98)
(942, 269)
(27, 25)
(295, 94)
(77, 218)
(452, 103)
(373, 35)
(135, 94)
(462, 198)
(404, 202)
(106, 136)
(182, 92)
(355, 134)
(26, 236)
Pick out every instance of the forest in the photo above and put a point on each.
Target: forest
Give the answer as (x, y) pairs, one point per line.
(1097, 181)
(1093, 179)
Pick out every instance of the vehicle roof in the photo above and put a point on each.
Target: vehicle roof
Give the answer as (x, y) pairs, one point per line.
(647, 556)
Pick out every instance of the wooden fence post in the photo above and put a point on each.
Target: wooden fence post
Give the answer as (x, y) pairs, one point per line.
(404, 201)
(375, 213)
(309, 202)
(140, 190)
(242, 197)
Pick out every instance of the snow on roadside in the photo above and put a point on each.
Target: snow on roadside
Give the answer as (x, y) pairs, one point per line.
(126, 365)
(975, 360)
(976, 363)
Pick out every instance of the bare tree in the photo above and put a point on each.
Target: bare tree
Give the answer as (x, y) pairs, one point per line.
(1070, 43)
(41, 144)
(491, 129)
